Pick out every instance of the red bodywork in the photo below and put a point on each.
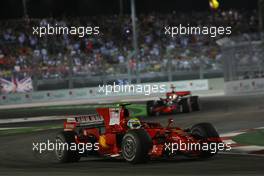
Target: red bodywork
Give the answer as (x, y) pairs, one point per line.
(170, 103)
(109, 125)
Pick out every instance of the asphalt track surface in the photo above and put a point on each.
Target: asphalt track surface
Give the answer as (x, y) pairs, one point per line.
(226, 113)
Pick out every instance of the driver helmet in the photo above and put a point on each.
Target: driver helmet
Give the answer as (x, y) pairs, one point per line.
(134, 123)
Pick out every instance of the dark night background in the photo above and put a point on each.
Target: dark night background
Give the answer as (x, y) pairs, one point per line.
(46, 8)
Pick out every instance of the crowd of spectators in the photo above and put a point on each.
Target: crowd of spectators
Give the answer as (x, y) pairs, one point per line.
(109, 52)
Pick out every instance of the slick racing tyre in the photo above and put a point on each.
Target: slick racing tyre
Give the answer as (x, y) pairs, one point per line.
(204, 131)
(195, 103)
(63, 153)
(150, 105)
(136, 145)
(185, 105)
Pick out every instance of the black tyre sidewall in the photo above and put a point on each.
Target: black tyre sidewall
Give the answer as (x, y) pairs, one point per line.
(185, 105)
(68, 155)
(204, 131)
(195, 101)
(143, 144)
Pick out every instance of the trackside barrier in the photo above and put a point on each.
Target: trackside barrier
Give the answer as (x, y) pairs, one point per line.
(244, 87)
(93, 93)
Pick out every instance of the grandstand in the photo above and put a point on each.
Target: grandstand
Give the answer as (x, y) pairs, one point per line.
(55, 62)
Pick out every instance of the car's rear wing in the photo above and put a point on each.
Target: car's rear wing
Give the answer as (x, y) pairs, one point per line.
(180, 94)
(89, 121)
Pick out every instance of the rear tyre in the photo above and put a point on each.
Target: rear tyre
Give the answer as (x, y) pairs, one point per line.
(150, 105)
(204, 131)
(195, 102)
(185, 105)
(136, 145)
(64, 154)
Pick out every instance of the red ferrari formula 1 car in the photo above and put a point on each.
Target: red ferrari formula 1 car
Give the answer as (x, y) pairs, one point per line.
(111, 133)
(173, 103)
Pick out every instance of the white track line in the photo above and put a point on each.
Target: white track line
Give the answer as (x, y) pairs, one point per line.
(32, 119)
(243, 154)
(247, 149)
(229, 141)
(13, 128)
(231, 134)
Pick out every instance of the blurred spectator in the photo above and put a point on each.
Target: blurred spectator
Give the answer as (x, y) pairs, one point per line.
(50, 56)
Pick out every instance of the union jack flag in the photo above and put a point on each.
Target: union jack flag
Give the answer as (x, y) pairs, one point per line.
(15, 85)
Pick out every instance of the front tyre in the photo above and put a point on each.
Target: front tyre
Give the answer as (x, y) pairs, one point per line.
(185, 105)
(136, 145)
(63, 153)
(195, 103)
(203, 131)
